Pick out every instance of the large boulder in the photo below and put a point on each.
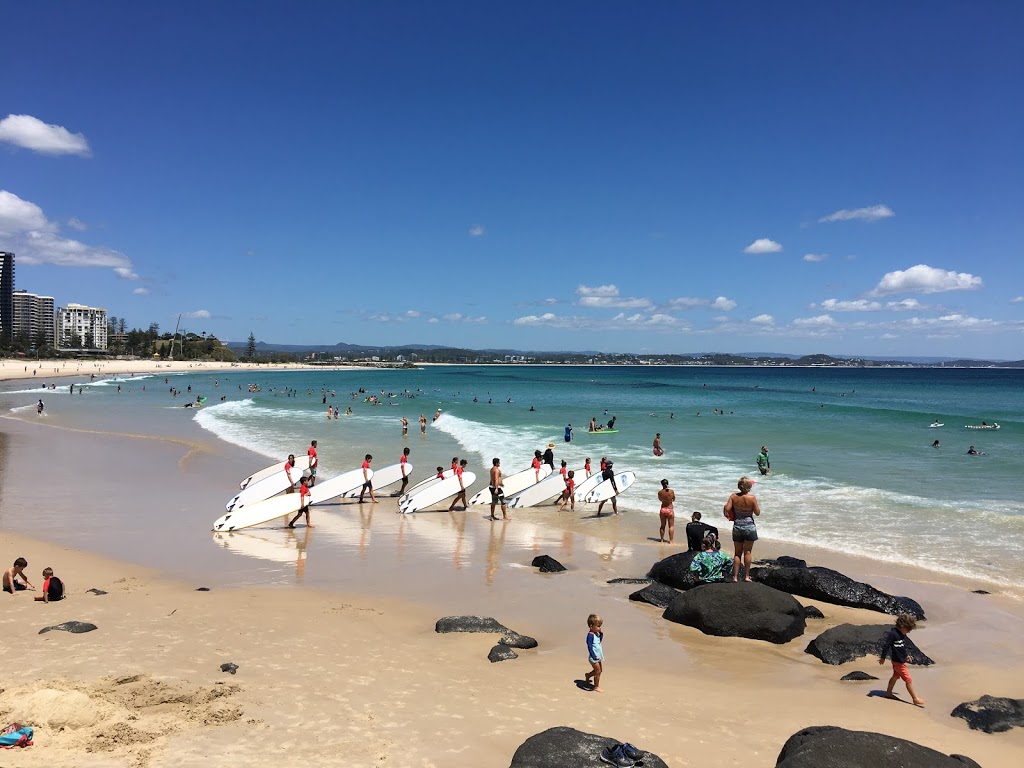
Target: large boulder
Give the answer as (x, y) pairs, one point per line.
(992, 714)
(483, 624)
(825, 746)
(828, 586)
(674, 571)
(515, 640)
(563, 747)
(658, 595)
(74, 627)
(501, 653)
(547, 564)
(739, 610)
(852, 641)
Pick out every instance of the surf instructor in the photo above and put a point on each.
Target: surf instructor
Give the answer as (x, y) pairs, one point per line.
(289, 467)
(314, 462)
(496, 483)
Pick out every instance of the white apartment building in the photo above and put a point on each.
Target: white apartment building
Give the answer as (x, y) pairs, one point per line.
(33, 314)
(83, 322)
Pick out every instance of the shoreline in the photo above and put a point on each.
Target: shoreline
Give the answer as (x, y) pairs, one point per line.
(342, 645)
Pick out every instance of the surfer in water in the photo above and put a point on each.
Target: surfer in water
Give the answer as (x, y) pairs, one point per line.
(568, 433)
(657, 445)
(496, 481)
(764, 466)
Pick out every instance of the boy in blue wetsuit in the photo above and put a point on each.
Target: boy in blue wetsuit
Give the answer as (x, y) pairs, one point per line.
(595, 653)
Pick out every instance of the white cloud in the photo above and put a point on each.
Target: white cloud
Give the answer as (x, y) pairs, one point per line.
(433, 320)
(763, 245)
(76, 223)
(379, 317)
(37, 240)
(1017, 299)
(597, 290)
(686, 302)
(199, 314)
(905, 305)
(32, 133)
(477, 230)
(458, 317)
(860, 305)
(141, 291)
(889, 336)
(723, 304)
(763, 320)
(621, 322)
(815, 257)
(412, 313)
(614, 302)
(924, 279)
(550, 301)
(871, 213)
(821, 321)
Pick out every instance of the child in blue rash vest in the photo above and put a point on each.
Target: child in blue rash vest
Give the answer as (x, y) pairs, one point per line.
(895, 647)
(595, 653)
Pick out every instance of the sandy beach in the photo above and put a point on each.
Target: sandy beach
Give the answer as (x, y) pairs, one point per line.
(351, 672)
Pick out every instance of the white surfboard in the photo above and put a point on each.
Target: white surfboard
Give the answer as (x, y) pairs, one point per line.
(513, 484)
(382, 478)
(538, 493)
(325, 490)
(605, 491)
(586, 485)
(301, 462)
(436, 493)
(422, 484)
(258, 512)
(265, 488)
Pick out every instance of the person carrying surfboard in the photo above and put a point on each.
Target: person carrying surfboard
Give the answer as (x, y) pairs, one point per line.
(314, 462)
(289, 467)
(497, 492)
(609, 474)
(303, 503)
(459, 469)
(367, 482)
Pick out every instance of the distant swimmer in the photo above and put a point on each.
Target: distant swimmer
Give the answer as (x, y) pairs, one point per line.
(40, 406)
(423, 424)
(496, 483)
(611, 422)
(405, 426)
(657, 445)
(936, 444)
(532, 408)
(972, 451)
(568, 433)
(593, 424)
(437, 414)
(764, 466)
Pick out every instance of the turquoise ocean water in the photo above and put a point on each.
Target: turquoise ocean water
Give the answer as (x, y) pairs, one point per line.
(852, 464)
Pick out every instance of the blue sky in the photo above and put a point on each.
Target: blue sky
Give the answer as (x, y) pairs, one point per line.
(664, 177)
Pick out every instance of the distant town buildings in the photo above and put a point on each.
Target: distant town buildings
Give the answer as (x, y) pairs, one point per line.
(7, 294)
(33, 317)
(81, 326)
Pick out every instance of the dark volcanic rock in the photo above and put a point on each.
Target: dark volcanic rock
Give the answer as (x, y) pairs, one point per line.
(992, 714)
(852, 641)
(830, 586)
(202, 589)
(515, 640)
(811, 612)
(858, 676)
(74, 627)
(471, 624)
(674, 571)
(547, 564)
(95, 591)
(658, 595)
(825, 746)
(630, 581)
(981, 592)
(227, 666)
(739, 610)
(564, 747)
(501, 653)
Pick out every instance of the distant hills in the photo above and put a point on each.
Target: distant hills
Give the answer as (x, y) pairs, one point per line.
(444, 354)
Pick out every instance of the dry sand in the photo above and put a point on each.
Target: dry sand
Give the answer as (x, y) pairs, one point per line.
(358, 677)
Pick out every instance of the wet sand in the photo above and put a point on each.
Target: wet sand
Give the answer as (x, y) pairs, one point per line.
(332, 629)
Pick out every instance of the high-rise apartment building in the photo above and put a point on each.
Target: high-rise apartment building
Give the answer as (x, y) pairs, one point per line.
(33, 314)
(85, 325)
(6, 294)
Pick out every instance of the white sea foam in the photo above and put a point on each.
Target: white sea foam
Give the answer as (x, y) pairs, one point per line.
(266, 430)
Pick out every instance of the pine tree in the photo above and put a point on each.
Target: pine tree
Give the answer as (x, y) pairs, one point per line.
(250, 347)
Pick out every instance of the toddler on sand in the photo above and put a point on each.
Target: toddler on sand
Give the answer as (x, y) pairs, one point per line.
(595, 653)
(896, 648)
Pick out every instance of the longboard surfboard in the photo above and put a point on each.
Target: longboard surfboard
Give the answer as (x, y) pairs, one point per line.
(382, 478)
(513, 484)
(344, 483)
(258, 512)
(301, 463)
(265, 488)
(605, 491)
(436, 493)
(550, 486)
(585, 485)
(422, 484)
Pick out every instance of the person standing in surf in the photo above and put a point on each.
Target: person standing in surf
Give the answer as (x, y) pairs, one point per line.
(496, 483)
(741, 509)
(367, 480)
(568, 433)
(405, 426)
(314, 462)
(423, 424)
(657, 445)
(764, 466)
(459, 469)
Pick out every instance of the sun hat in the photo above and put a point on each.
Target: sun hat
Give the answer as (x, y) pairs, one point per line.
(551, 445)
